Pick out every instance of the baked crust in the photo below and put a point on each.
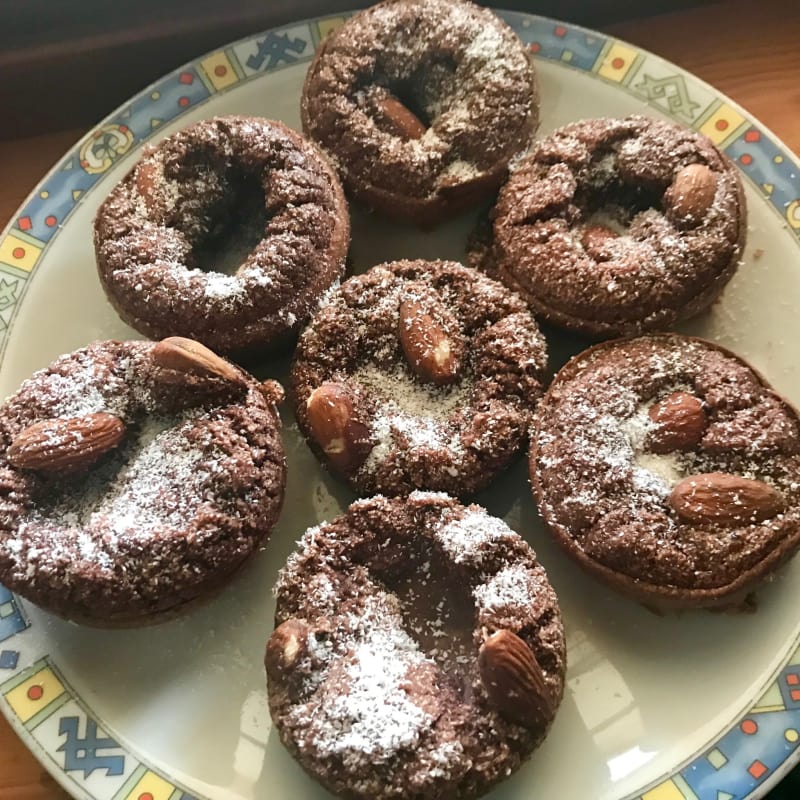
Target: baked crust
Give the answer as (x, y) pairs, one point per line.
(157, 235)
(608, 498)
(464, 72)
(376, 685)
(163, 519)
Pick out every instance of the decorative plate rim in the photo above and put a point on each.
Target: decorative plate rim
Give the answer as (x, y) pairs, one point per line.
(32, 693)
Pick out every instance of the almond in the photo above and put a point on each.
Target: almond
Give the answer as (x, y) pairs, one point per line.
(691, 193)
(680, 421)
(148, 175)
(514, 680)
(718, 497)
(596, 239)
(286, 647)
(193, 358)
(428, 349)
(66, 444)
(396, 119)
(272, 391)
(343, 438)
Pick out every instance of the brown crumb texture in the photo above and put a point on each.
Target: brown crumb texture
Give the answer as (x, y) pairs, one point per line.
(392, 602)
(603, 231)
(466, 77)
(164, 235)
(163, 519)
(419, 435)
(605, 474)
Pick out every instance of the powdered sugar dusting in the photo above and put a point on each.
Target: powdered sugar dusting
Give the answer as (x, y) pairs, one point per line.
(507, 591)
(653, 472)
(219, 286)
(464, 538)
(622, 450)
(410, 397)
(446, 758)
(394, 429)
(374, 717)
(196, 235)
(615, 439)
(602, 482)
(468, 73)
(387, 705)
(135, 502)
(488, 46)
(667, 470)
(656, 269)
(412, 415)
(459, 171)
(79, 392)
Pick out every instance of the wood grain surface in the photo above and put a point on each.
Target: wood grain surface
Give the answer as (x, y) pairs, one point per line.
(119, 48)
(749, 51)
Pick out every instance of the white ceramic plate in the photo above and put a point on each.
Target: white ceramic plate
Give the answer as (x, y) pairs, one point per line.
(697, 706)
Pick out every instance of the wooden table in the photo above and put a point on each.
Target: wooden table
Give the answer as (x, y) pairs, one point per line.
(747, 50)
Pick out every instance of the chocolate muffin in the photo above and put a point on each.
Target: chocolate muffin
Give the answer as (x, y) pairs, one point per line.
(418, 375)
(668, 468)
(422, 104)
(135, 478)
(618, 226)
(237, 192)
(418, 650)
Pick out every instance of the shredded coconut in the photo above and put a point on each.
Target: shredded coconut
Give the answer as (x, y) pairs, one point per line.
(374, 717)
(132, 500)
(508, 591)
(464, 538)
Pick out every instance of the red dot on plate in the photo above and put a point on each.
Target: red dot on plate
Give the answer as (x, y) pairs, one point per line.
(24, 223)
(35, 692)
(534, 47)
(183, 101)
(145, 796)
(749, 727)
(50, 221)
(746, 159)
(721, 124)
(123, 128)
(618, 63)
(752, 136)
(186, 77)
(560, 31)
(18, 252)
(220, 70)
(793, 679)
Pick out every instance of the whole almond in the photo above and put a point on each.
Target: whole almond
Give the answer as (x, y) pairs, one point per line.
(596, 240)
(396, 119)
(149, 173)
(272, 391)
(287, 645)
(66, 444)
(691, 193)
(429, 351)
(514, 680)
(191, 357)
(680, 421)
(721, 498)
(344, 439)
